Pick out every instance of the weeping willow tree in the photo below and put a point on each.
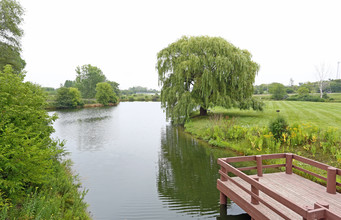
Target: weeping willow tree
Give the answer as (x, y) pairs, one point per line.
(202, 72)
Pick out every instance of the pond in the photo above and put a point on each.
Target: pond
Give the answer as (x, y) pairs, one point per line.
(138, 166)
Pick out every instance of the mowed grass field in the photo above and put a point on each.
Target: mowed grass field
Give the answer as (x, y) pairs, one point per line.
(321, 114)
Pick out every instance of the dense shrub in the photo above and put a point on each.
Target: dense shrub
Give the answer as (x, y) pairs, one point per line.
(68, 98)
(308, 98)
(105, 93)
(278, 127)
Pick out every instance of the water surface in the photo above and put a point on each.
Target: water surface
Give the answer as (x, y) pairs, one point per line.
(137, 166)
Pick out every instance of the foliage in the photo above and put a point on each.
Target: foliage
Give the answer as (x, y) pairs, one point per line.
(278, 91)
(26, 149)
(278, 127)
(307, 97)
(303, 91)
(335, 85)
(290, 90)
(138, 97)
(69, 83)
(299, 138)
(105, 93)
(87, 78)
(10, 20)
(138, 89)
(30, 161)
(203, 72)
(68, 98)
(115, 87)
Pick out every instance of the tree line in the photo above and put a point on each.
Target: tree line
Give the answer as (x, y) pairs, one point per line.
(302, 91)
(90, 83)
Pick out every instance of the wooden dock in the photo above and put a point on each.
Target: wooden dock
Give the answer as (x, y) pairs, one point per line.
(281, 195)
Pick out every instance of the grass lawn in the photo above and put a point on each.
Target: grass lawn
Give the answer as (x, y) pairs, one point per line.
(321, 114)
(335, 96)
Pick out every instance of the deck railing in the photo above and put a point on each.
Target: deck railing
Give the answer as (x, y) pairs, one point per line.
(320, 210)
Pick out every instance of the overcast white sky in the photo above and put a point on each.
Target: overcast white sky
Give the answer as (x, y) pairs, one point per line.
(287, 38)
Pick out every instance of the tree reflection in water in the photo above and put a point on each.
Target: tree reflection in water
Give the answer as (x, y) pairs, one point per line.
(187, 176)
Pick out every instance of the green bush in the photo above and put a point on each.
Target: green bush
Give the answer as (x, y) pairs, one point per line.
(105, 93)
(278, 127)
(307, 98)
(68, 98)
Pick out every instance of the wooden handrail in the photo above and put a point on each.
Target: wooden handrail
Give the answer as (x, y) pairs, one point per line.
(309, 172)
(291, 205)
(254, 195)
(305, 213)
(250, 158)
(310, 162)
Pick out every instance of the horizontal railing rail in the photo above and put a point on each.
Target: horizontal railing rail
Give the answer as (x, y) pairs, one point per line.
(307, 213)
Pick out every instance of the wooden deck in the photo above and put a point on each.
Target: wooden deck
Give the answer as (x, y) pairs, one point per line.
(282, 195)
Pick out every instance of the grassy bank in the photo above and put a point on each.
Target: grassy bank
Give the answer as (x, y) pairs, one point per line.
(314, 130)
(318, 114)
(58, 198)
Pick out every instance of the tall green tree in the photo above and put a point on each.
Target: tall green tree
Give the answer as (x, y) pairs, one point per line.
(69, 83)
(11, 14)
(201, 72)
(277, 91)
(115, 87)
(87, 78)
(105, 93)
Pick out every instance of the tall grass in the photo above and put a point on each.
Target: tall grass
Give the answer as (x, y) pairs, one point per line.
(60, 198)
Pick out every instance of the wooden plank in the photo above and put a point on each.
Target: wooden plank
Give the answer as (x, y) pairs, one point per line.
(314, 163)
(240, 159)
(241, 199)
(264, 167)
(338, 172)
(272, 208)
(288, 193)
(250, 158)
(286, 202)
(272, 156)
(246, 168)
(273, 166)
(303, 191)
(309, 172)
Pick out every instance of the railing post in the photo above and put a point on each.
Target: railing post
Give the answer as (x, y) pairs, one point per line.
(331, 180)
(288, 163)
(255, 191)
(223, 197)
(259, 165)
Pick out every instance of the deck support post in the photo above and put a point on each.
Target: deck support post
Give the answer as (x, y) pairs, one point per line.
(255, 191)
(259, 165)
(223, 211)
(223, 197)
(331, 180)
(288, 163)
